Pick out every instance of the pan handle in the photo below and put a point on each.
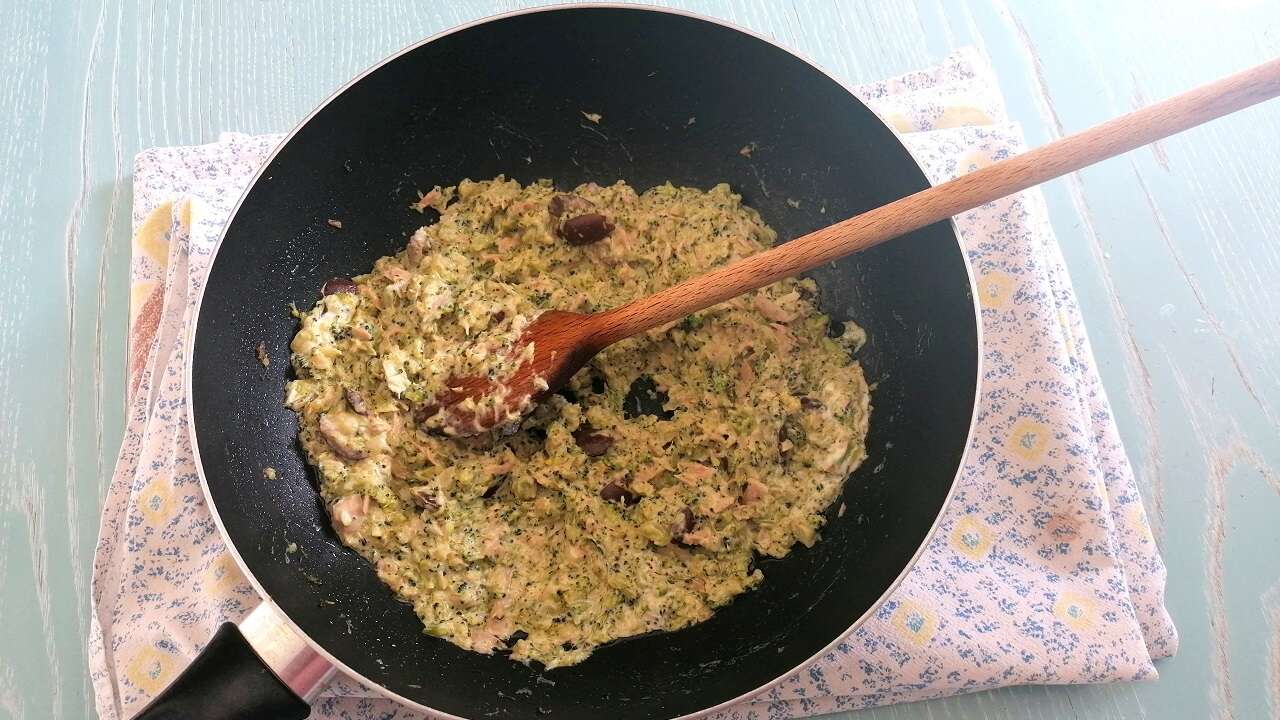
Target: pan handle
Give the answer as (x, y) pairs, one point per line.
(261, 670)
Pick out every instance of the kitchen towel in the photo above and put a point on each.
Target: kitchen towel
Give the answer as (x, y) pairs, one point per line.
(1042, 570)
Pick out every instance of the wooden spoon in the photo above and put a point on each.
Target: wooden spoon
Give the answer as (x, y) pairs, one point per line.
(564, 341)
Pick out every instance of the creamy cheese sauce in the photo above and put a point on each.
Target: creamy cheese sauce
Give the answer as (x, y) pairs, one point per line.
(586, 522)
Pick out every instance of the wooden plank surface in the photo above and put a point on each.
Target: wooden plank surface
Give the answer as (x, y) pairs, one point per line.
(1174, 253)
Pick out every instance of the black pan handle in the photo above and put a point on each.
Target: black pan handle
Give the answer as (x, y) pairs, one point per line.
(261, 669)
(227, 681)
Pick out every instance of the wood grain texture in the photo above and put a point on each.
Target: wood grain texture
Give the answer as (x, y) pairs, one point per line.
(1173, 251)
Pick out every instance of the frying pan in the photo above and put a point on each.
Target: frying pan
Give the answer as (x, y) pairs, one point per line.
(680, 96)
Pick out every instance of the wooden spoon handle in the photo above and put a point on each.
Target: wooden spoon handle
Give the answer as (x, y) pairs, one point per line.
(926, 207)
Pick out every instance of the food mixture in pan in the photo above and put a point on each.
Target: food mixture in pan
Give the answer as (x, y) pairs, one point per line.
(589, 520)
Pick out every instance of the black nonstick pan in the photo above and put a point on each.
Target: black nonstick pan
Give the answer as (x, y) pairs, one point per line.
(680, 96)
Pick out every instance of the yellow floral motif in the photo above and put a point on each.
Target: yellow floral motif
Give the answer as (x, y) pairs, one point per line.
(972, 537)
(223, 573)
(187, 214)
(900, 122)
(973, 160)
(152, 240)
(1138, 520)
(1075, 610)
(1068, 332)
(153, 502)
(915, 622)
(960, 116)
(1028, 439)
(152, 235)
(994, 289)
(150, 669)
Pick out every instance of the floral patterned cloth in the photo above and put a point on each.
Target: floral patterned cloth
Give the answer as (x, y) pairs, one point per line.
(1043, 569)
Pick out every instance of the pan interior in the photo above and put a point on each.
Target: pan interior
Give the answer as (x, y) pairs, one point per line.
(680, 97)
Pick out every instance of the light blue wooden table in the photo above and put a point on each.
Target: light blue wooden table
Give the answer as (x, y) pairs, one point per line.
(1175, 254)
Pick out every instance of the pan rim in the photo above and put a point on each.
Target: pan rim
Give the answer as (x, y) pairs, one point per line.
(193, 330)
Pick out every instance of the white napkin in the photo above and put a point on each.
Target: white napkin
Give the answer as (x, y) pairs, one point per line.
(1043, 569)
